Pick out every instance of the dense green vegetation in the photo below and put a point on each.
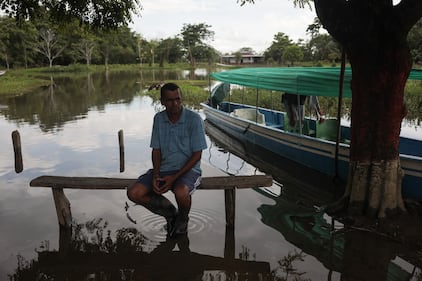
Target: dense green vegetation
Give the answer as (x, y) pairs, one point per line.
(41, 42)
(194, 91)
(77, 49)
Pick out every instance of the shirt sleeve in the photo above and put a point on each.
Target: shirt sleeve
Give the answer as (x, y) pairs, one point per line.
(155, 137)
(198, 141)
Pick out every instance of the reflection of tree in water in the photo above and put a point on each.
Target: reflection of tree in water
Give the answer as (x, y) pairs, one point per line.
(93, 236)
(70, 98)
(90, 237)
(286, 269)
(94, 255)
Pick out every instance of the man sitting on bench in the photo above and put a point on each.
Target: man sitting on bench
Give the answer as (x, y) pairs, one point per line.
(177, 141)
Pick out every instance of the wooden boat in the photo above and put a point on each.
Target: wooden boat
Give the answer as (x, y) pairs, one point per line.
(317, 146)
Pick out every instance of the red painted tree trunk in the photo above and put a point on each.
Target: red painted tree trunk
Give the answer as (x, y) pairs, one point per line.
(373, 34)
(377, 113)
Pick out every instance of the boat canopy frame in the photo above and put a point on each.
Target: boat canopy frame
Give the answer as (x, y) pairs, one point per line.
(309, 81)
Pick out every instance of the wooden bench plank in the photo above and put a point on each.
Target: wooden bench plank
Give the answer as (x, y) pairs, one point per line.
(207, 183)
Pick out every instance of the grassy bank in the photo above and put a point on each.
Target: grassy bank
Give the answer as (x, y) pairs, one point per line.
(15, 82)
(21, 81)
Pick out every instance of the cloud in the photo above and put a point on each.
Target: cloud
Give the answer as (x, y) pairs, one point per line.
(235, 26)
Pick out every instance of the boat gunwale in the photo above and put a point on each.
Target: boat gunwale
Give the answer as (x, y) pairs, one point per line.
(291, 141)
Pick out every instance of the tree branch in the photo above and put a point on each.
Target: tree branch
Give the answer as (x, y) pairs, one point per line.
(334, 17)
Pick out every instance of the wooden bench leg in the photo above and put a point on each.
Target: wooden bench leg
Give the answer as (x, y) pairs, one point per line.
(229, 245)
(230, 207)
(64, 217)
(230, 202)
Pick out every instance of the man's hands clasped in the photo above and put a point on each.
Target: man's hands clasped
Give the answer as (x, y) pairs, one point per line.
(163, 184)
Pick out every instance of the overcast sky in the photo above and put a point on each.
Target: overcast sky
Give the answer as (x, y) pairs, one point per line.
(252, 25)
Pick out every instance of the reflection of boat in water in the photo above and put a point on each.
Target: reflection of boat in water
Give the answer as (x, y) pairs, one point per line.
(296, 216)
(315, 145)
(310, 231)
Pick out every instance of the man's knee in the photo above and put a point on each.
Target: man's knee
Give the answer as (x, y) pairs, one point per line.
(181, 190)
(182, 193)
(136, 192)
(131, 193)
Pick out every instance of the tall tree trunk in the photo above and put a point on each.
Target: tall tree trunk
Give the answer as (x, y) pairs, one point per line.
(380, 67)
(373, 34)
(377, 113)
(106, 62)
(192, 58)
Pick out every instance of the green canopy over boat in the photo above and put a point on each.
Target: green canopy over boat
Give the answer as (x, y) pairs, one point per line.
(310, 81)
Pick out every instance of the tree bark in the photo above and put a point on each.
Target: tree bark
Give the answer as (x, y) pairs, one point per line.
(373, 34)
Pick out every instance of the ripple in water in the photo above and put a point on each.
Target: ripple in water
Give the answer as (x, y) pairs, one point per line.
(154, 226)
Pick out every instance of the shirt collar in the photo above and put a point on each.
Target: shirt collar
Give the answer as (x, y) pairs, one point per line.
(181, 119)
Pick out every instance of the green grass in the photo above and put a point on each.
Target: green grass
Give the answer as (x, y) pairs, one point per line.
(20, 81)
(193, 92)
(16, 82)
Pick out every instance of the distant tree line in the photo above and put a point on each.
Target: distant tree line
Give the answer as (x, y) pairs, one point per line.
(323, 47)
(42, 42)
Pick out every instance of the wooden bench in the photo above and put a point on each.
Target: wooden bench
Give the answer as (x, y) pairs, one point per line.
(64, 215)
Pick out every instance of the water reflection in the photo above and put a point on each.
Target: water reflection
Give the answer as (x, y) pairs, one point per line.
(280, 226)
(196, 74)
(357, 253)
(92, 254)
(71, 98)
(64, 100)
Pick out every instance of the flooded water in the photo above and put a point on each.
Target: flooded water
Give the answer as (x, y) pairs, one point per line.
(72, 130)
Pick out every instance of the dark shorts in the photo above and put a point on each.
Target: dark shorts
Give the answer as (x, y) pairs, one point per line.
(191, 179)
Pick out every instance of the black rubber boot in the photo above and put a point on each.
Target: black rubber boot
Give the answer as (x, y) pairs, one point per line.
(181, 223)
(160, 205)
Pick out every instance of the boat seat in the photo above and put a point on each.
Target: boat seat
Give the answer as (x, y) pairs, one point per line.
(327, 130)
(250, 114)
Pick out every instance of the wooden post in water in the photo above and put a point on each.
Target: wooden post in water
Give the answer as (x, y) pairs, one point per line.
(17, 148)
(64, 216)
(122, 151)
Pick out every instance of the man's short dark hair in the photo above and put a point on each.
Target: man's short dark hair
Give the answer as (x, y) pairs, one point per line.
(169, 87)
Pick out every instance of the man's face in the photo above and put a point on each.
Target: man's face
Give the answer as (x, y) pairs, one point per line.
(172, 100)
